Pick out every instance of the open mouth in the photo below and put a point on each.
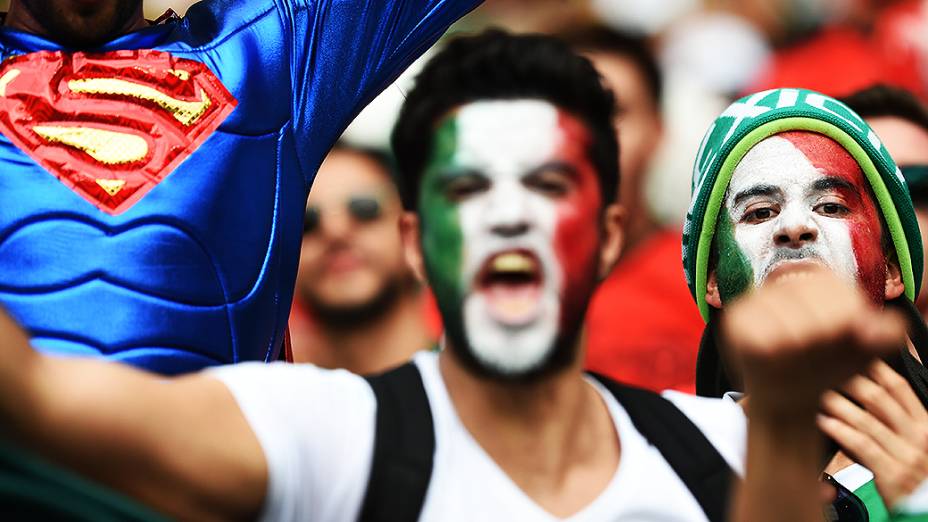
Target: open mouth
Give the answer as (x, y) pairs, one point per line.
(510, 282)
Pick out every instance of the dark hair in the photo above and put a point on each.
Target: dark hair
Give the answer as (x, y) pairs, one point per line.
(496, 65)
(885, 100)
(634, 47)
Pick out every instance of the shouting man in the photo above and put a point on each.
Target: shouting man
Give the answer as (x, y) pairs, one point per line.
(155, 175)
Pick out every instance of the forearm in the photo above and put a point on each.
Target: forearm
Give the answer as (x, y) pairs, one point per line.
(179, 445)
(18, 367)
(781, 480)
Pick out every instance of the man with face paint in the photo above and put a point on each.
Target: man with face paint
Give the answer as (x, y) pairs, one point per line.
(787, 182)
(155, 175)
(507, 153)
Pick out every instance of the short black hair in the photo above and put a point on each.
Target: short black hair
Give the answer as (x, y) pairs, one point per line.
(496, 65)
(885, 100)
(634, 47)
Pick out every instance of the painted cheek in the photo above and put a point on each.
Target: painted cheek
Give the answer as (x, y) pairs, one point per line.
(440, 228)
(733, 270)
(577, 233)
(576, 244)
(866, 239)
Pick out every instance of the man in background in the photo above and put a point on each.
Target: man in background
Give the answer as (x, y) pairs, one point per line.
(901, 122)
(357, 304)
(654, 344)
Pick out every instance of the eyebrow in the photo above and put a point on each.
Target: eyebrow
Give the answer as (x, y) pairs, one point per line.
(833, 182)
(756, 190)
(451, 173)
(557, 166)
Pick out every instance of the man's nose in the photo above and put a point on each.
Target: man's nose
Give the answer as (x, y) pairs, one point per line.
(335, 225)
(796, 232)
(507, 215)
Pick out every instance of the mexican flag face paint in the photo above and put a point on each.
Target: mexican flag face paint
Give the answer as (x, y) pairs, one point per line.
(798, 197)
(510, 207)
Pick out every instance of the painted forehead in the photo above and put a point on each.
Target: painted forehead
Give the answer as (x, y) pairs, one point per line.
(512, 136)
(794, 158)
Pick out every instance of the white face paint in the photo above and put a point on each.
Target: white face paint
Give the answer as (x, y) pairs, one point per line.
(509, 227)
(783, 210)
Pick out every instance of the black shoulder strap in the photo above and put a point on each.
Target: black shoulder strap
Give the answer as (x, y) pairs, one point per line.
(404, 446)
(694, 459)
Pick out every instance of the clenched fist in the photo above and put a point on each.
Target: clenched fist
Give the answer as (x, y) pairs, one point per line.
(804, 332)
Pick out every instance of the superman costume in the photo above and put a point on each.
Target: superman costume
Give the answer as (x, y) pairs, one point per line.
(153, 189)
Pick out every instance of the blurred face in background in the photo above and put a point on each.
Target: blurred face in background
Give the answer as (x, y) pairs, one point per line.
(907, 143)
(639, 125)
(351, 263)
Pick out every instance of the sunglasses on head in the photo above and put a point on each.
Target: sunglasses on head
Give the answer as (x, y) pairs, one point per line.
(362, 209)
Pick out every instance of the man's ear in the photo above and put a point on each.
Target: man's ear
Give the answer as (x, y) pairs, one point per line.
(412, 249)
(613, 239)
(894, 285)
(712, 291)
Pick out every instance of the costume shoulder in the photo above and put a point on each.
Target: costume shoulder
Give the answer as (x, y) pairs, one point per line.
(316, 428)
(323, 60)
(345, 52)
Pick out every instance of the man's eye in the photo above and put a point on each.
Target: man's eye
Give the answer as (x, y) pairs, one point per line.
(549, 184)
(759, 215)
(465, 186)
(832, 209)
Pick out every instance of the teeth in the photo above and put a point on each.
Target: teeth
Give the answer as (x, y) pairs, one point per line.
(513, 262)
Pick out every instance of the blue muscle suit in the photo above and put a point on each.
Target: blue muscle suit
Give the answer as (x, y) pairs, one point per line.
(152, 191)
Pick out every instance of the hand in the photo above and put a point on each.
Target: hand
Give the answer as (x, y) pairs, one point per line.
(888, 433)
(801, 334)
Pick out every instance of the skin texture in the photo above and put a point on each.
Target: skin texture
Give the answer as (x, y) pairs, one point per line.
(640, 129)
(798, 197)
(79, 24)
(511, 176)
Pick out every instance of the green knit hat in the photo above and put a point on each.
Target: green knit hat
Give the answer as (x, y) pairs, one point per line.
(758, 116)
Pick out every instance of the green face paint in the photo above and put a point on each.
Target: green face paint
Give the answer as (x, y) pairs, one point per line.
(440, 229)
(733, 270)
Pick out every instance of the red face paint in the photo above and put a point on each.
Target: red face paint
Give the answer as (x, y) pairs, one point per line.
(863, 218)
(577, 238)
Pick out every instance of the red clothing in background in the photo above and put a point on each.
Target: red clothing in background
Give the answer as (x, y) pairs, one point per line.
(840, 60)
(644, 328)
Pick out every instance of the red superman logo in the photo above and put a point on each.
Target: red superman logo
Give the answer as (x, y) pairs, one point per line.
(110, 126)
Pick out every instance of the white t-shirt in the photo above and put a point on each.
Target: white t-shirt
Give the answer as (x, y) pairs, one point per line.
(317, 431)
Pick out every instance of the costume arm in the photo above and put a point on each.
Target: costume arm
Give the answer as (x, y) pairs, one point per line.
(181, 445)
(345, 52)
